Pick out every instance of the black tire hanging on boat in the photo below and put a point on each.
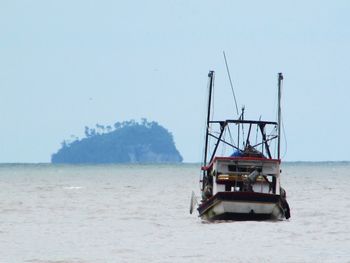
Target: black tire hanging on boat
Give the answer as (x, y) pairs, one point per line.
(284, 203)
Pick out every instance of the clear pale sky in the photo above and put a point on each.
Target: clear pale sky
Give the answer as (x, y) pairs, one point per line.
(68, 64)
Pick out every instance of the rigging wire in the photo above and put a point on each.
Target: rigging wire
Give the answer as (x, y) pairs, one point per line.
(285, 140)
(229, 77)
(231, 138)
(270, 141)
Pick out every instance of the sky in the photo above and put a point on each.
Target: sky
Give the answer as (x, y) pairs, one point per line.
(66, 64)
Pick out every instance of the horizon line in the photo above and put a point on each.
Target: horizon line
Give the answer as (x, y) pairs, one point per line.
(49, 163)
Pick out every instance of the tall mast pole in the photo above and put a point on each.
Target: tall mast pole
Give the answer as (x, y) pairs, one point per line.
(211, 82)
(280, 79)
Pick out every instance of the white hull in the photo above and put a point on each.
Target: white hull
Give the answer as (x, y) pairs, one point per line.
(239, 209)
(228, 206)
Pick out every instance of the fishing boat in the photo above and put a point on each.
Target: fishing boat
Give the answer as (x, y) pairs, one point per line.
(246, 184)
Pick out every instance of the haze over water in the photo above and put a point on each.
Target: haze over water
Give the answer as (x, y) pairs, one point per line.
(139, 213)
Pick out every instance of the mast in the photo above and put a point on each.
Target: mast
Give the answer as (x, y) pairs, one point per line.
(280, 79)
(211, 83)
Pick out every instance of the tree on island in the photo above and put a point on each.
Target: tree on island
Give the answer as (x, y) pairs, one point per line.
(123, 142)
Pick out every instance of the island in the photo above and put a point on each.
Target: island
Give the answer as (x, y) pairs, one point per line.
(124, 142)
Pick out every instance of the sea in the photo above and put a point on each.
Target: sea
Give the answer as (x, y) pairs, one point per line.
(140, 213)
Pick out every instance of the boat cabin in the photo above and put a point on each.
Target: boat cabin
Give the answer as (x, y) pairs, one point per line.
(237, 174)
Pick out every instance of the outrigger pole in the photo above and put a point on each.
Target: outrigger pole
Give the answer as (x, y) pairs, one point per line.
(280, 79)
(211, 82)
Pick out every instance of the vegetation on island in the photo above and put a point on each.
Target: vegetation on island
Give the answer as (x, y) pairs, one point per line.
(124, 142)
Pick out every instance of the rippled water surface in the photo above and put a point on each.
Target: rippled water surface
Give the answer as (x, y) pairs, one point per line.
(114, 213)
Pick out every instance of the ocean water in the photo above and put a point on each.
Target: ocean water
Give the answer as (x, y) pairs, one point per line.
(140, 213)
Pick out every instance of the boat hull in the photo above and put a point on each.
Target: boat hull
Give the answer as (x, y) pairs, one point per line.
(241, 206)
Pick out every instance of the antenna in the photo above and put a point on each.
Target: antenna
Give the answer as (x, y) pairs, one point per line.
(229, 77)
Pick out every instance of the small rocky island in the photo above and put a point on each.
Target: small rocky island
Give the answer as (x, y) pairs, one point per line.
(124, 142)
